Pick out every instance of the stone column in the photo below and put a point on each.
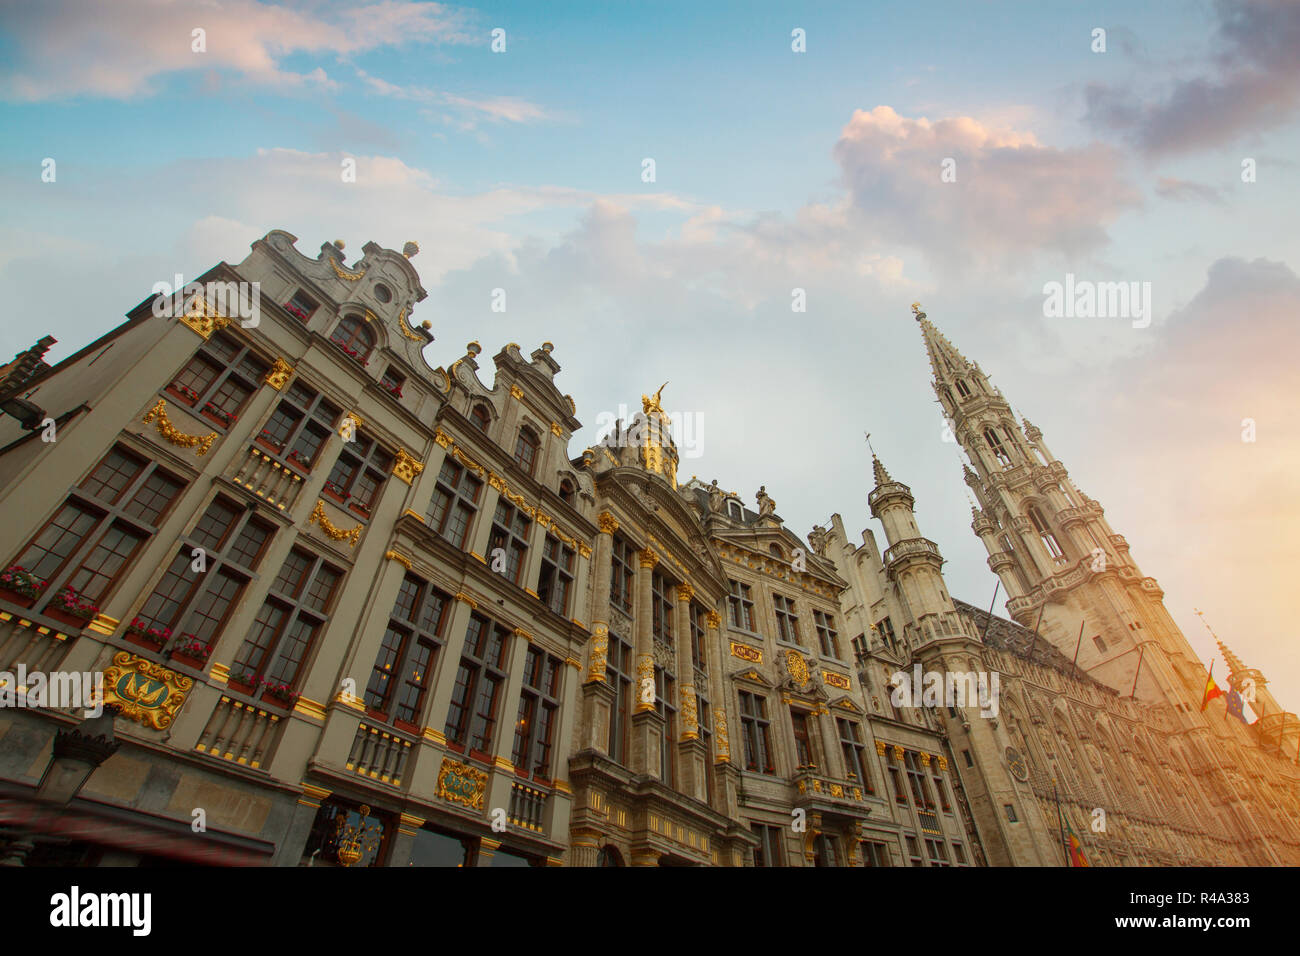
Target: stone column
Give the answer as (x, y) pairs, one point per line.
(647, 725)
(692, 759)
(602, 568)
(584, 847)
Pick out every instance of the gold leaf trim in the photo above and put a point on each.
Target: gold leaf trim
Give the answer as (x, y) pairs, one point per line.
(400, 558)
(168, 431)
(331, 531)
(343, 273)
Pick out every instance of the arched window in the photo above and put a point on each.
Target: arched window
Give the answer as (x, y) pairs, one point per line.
(481, 418)
(526, 446)
(736, 510)
(354, 337)
(567, 491)
(775, 551)
(996, 446)
(1045, 532)
(609, 857)
(962, 389)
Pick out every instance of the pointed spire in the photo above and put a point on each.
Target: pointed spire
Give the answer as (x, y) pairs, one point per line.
(877, 469)
(945, 360)
(1235, 666)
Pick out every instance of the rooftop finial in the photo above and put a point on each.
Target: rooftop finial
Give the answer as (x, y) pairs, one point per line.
(916, 311)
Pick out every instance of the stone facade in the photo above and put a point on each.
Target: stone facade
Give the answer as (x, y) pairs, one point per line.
(355, 610)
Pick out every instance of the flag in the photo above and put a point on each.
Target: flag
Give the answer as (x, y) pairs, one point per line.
(1211, 689)
(1075, 847)
(1235, 704)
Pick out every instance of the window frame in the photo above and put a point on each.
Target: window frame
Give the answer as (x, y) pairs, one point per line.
(226, 370)
(414, 633)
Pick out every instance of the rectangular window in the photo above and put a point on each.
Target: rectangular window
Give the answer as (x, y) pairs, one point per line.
(392, 381)
(916, 778)
(555, 583)
(665, 695)
(770, 851)
(539, 707)
(914, 851)
(359, 474)
(508, 541)
(219, 379)
(1101, 645)
(1011, 812)
(885, 628)
(960, 853)
(662, 591)
(757, 733)
(787, 622)
(851, 747)
(299, 426)
(827, 636)
(699, 638)
(455, 500)
(874, 854)
(194, 605)
(407, 656)
(803, 753)
(618, 670)
(301, 306)
(291, 618)
(938, 853)
(740, 607)
(621, 578)
(96, 534)
(472, 716)
(940, 788)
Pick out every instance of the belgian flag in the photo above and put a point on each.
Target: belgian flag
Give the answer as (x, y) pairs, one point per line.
(1075, 847)
(1212, 689)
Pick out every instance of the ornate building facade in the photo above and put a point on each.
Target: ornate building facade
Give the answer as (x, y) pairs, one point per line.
(354, 610)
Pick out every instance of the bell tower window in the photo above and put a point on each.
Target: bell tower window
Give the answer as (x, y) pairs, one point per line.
(1045, 532)
(995, 445)
(962, 389)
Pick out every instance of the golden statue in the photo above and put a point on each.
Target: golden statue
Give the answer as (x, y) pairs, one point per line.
(649, 405)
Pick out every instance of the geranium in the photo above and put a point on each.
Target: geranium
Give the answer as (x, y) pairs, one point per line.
(18, 579)
(69, 601)
(280, 691)
(191, 646)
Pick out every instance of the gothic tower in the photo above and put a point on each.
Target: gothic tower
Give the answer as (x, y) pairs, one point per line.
(944, 643)
(1065, 570)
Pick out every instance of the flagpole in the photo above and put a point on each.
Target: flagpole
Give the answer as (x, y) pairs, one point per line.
(1033, 641)
(992, 604)
(1060, 824)
(1077, 644)
(1141, 653)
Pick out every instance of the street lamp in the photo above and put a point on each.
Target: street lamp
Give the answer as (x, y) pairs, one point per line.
(77, 752)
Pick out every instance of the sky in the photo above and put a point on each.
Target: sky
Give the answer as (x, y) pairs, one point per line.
(959, 154)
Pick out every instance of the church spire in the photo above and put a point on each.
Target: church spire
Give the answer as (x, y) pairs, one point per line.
(945, 361)
(878, 470)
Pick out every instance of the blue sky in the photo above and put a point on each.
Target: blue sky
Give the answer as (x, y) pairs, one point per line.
(774, 170)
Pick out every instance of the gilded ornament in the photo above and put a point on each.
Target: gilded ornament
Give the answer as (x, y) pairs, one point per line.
(516, 393)
(349, 432)
(400, 558)
(898, 753)
(836, 680)
(596, 659)
(648, 559)
(201, 443)
(343, 273)
(277, 376)
(147, 693)
(406, 467)
(202, 319)
(713, 620)
(796, 666)
(881, 747)
(721, 741)
(606, 522)
(690, 718)
(331, 531)
(746, 653)
(461, 783)
(685, 592)
(556, 430)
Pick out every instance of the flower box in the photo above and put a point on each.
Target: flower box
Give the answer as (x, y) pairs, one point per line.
(198, 663)
(192, 652)
(242, 683)
(146, 641)
(22, 600)
(64, 616)
(276, 701)
(220, 416)
(295, 311)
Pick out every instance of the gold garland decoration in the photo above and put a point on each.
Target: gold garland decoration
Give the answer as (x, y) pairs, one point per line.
(343, 273)
(332, 532)
(178, 438)
(405, 329)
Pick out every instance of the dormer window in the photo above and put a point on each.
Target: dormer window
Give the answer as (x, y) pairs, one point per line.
(567, 491)
(775, 551)
(526, 446)
(355, 338)
(301, 306)
(481, 418)
(735, 510)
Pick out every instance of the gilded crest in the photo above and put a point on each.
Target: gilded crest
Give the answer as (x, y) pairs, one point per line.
(145, 692)
(796, 666)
